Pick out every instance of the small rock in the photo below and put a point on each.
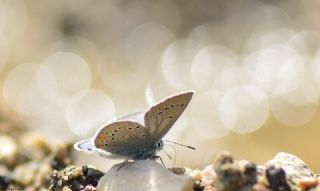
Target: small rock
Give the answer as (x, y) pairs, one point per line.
(224, 158)
(61, 157)
(229, 178)
(250, 172)
(209, 176)
(178, 170)
(4, 182)
(294, 167)
(196, 174)
(197, 186)
(209, 188)
(92, 175)
(307, 183)
(34, 146)
(89, 188)
(277, 179)
(8, 150)
(259, 187)
(42, 175)
(75, 178)
(25, 173)
(234, 175)
(66, 189)
(13, 188)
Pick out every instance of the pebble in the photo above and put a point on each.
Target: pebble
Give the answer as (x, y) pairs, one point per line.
(209, 188)
(4, 182)
(66, 189)
(234, 175)
(277, 179)
(89, 188)
(307, 183)
(294, 167)
(196, 174)
(75, 178)
(25, 174)
(178, 170)
(209, 176)
(34, 146)
(8, 150)
(259, 187)
(197, 186)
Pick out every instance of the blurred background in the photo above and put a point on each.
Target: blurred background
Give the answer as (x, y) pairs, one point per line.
(68, 67)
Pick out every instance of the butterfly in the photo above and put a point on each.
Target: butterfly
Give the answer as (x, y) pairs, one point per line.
(136, 140)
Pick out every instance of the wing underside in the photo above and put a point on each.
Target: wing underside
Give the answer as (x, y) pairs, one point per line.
(161, 117)
(123, 138)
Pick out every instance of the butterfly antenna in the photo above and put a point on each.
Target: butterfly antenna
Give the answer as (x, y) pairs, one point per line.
(168, 155)
(180, 144)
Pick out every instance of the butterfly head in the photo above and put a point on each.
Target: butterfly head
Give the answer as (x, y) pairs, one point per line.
(159, 145)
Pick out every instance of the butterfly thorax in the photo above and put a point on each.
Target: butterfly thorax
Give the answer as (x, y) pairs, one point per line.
(148, 152)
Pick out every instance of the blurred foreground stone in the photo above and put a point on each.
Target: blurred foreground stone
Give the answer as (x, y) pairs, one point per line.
(143, 175)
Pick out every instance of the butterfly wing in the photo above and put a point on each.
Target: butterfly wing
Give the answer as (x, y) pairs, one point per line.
(123, 138)
(89, 147)
(85, 145)
(161, 117)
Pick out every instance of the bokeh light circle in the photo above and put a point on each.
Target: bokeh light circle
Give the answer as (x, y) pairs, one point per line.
(306, 43)
(204, 109)
(29, 89)
(277, 69)
(296, 107)
(208, 63)
(72, 73)
(4, 51)
(177, 61)
(86, 113)
(244, 109)
(232, 76)
(145, 45)
(158, 88)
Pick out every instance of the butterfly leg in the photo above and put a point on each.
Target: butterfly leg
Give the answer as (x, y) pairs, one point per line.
(123, 164)
(158, 157)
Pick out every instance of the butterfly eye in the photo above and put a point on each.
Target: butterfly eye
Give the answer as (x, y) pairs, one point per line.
(181, 105)
(166, 108)
(106, 144)
(115, 130)
(112, 138)
(112, 134)
(137, 127)
(172, 105)
(159, 144)
(130, 128)
(159, 113)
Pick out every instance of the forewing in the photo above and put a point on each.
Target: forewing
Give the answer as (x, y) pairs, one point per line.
(122, 138)
(161, 117)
